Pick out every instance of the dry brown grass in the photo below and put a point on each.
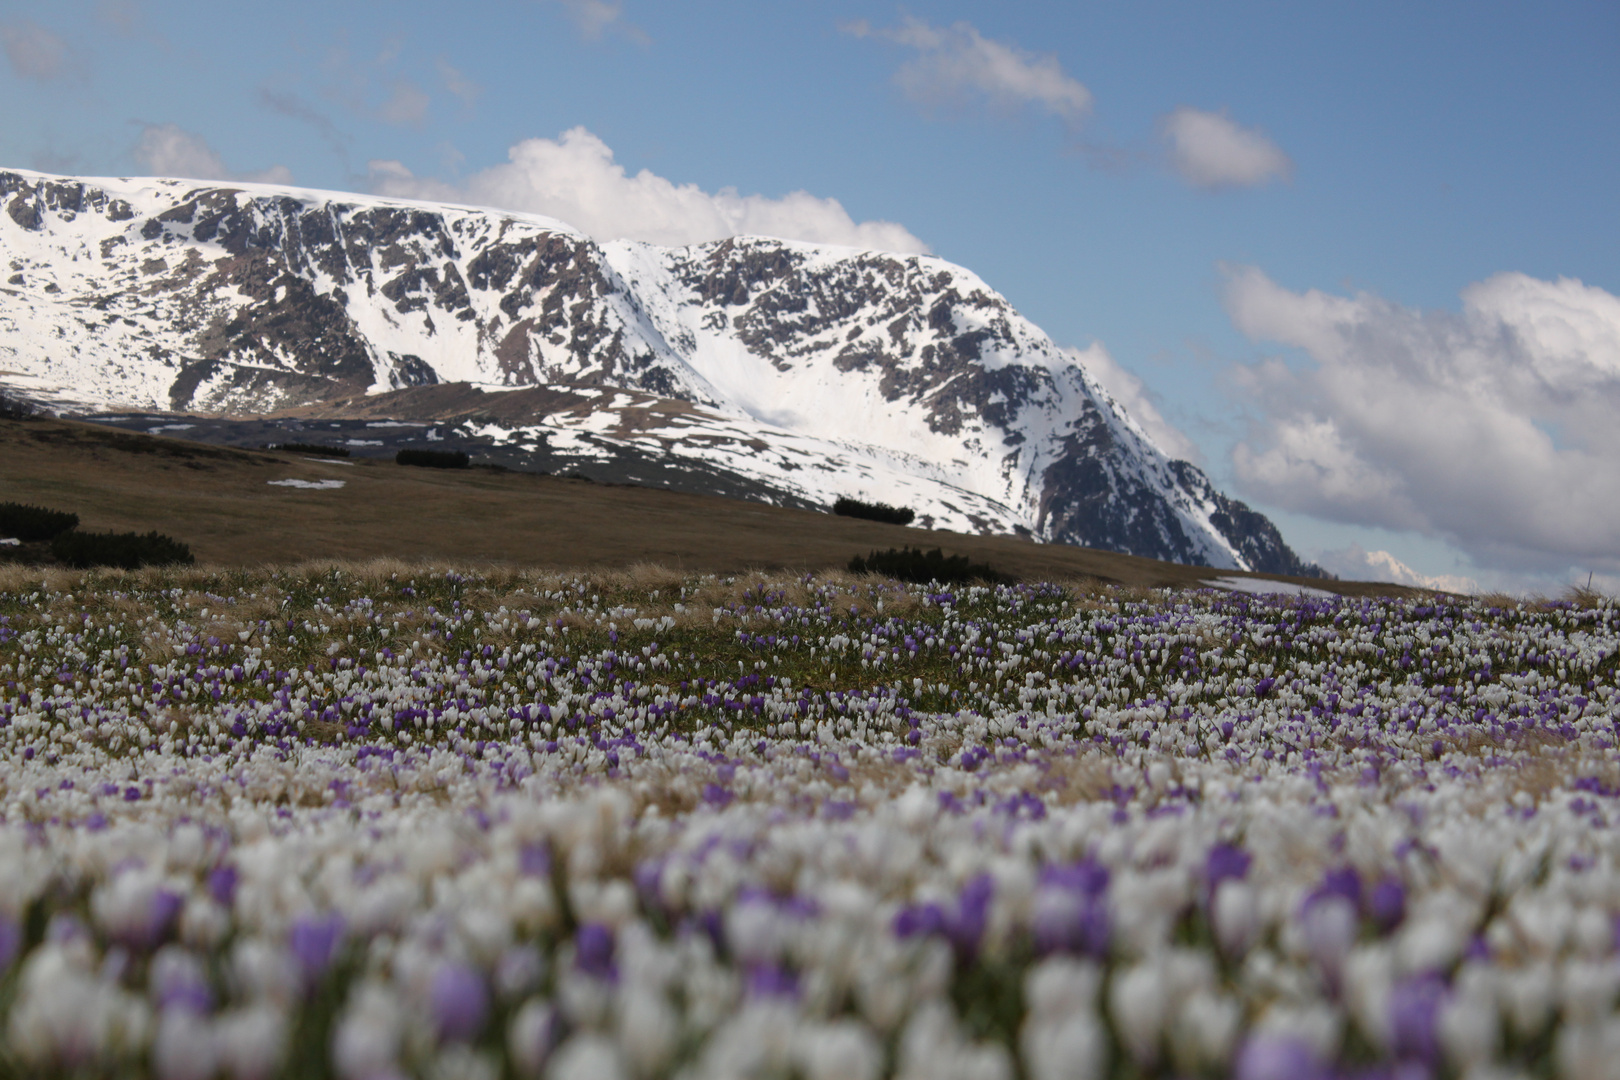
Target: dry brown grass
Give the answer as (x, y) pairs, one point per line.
(392, 520)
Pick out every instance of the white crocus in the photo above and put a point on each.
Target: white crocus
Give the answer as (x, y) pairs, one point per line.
(185, 1046)
(251, 1042)
(366, 1042)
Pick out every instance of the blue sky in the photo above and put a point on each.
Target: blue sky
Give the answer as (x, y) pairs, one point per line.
(1360, 259)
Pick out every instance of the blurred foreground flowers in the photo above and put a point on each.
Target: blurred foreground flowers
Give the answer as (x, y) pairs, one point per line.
(384, 822)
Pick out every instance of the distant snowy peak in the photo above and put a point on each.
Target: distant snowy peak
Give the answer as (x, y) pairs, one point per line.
(815, 371)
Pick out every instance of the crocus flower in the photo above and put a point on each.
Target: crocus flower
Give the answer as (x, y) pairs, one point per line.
(460, 1002)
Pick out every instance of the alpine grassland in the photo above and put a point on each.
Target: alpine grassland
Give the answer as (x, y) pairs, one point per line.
(374, 819)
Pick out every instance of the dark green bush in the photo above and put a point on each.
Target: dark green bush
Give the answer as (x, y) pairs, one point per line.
(30, 523)
(131, 551)
(434, 459)
(892, 515)
(921, 567)
(310, 448)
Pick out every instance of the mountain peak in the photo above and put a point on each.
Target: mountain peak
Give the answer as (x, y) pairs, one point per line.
(814, 371)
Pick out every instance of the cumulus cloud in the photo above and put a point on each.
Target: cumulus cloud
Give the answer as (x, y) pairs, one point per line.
(956, 64)
(574, 179)
(1356, 563)
(34, 52)
(1493, 428)
(167, 150)
(1210, 150)
(1133, 396)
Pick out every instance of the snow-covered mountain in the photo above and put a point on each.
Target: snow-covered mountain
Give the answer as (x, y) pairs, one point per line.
(811, 371)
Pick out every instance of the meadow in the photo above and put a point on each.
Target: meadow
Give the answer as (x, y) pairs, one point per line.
(370, 820)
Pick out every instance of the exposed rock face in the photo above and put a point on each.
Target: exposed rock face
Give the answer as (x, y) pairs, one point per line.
(812, 371)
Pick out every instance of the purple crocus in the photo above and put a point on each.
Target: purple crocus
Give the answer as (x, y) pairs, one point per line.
(534, 860)
(1071, 909)
(920, 920)
(593, 950)
(1387, 904)
(460, 1002)
(10, 941)
(222, 884)
(772, 981)
(1342, 881)
(153, 922)
(648, 876)
(314, 940)
(178, 982)
(972, 913)
(1225, 861)
(1271, 1057)
(1414, 1006)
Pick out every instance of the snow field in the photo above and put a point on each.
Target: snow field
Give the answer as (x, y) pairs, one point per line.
(105, 311)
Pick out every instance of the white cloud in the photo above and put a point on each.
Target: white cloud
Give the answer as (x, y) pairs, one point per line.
(575, 179)
(956, 64)
(458, 85)
(406, 106)
(1493, 428)
(1130, 394)
(1209, 150)
(167, 150)
(124, 16)
(1355, 563)
(34, 52)
(596, 17)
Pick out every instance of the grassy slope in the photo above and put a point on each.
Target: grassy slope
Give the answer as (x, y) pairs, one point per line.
(220, 502)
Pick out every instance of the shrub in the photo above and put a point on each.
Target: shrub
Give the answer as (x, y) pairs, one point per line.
(131, 551)
(434, 459)
(921, 567)
(892, 515)
(310, 448)
(29, 523)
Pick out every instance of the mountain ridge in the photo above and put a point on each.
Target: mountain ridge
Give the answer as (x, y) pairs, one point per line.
(814, 371)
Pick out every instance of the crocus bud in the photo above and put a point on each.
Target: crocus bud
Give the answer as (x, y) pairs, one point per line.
(587, 1057)
(314, 941)
(531, 1036)
(1330, 930)
(460, 1002)
(1138, 1000)
(1272, 1057)
(1235, 916)
(184, 1048)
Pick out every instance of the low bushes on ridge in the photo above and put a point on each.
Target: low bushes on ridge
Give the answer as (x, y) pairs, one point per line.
(310, 448)
(892, 515)
(921, 567)
(31, 523)
(130, 551)
(434, 459)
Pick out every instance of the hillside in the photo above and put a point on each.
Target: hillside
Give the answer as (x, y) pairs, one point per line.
(793, 372)
(223, 501)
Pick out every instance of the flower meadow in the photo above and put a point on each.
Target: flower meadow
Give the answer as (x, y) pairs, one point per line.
(382, 821)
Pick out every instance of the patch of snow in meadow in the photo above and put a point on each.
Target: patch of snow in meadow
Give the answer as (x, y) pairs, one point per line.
(1262, 587)
(309, 485)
